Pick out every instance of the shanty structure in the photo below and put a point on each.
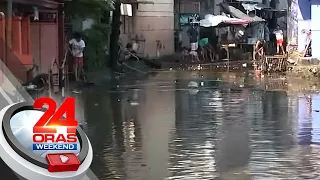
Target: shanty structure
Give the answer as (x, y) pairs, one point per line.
(31, 35)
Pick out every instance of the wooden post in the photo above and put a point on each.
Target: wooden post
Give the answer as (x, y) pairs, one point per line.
(228, 56)
(55, 76)
(115, 34)
(8, 29)
(50, 82)
(9, 22)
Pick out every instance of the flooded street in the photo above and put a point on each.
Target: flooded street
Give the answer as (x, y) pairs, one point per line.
(230, 127)
(197, 125)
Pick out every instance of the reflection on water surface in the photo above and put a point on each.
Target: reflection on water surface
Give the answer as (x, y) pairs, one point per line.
(230, 127)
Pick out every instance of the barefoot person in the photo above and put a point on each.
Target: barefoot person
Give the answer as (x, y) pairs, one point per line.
(77, 46)
(279, 37)
(205, 49)
(259, 52)
(193, 35)
(260, 48)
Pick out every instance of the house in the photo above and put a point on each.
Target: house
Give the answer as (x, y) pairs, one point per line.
(34, 38)
(151, 26)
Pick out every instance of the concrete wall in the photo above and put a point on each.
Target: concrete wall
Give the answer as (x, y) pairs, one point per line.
(304, 20)
(155, 22)
(217, 10)
(292, 25)
(315, 28)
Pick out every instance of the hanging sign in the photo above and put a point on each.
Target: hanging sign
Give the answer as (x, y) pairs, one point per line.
(45, 17)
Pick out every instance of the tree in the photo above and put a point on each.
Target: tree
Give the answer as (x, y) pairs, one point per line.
(88, 8)
(97, 37)
(115, 33)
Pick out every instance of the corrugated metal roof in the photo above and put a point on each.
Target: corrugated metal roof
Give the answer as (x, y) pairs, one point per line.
(239, 14)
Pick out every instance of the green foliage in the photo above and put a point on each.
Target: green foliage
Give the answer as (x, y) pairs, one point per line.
(97, 39)
(88, 8)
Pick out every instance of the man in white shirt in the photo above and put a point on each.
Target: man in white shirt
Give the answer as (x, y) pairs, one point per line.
(279, 36)
(77, 46)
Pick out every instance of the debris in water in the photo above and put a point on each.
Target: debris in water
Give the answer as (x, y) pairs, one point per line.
(134, 103)
(199, 67)
(76, 92)
(258, 72)
(31, 86)
(193, 84)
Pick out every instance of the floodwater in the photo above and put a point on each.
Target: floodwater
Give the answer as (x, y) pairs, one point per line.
(233, 126)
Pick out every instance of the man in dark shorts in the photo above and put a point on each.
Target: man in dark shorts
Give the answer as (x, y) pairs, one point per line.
(193, 34)
(77, 46)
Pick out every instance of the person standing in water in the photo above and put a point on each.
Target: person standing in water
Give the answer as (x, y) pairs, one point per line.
(77, 46)
(193, 35)
(279, 37)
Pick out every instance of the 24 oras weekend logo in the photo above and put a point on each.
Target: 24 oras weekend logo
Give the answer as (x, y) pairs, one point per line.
(52, 131)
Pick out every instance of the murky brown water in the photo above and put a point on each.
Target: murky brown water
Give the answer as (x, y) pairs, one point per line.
(231, 127)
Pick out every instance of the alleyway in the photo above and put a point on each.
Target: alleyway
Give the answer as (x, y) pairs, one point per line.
(229, 128)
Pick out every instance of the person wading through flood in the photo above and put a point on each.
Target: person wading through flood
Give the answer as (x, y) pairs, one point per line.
(205, 49)
(77, 46)
(193, 35)
(260, 49)
(279, 37)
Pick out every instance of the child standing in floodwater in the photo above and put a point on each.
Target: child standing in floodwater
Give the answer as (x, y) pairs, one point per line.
(77, 46)
(279, 37)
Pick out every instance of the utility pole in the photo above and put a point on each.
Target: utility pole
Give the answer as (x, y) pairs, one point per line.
(274, 22)
(115, 34)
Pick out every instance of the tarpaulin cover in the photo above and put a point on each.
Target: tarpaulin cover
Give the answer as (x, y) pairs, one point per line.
(213, 21)
(254, 6)
(239, 14)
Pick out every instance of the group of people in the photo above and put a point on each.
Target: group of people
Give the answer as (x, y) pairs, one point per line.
(201, 46)
(262, 45)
